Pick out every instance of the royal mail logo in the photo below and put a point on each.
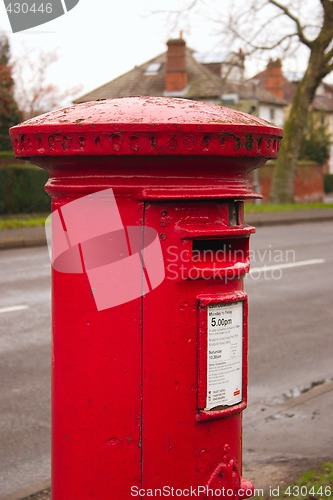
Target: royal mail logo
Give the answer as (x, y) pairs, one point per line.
(87, 236)
(25, 14)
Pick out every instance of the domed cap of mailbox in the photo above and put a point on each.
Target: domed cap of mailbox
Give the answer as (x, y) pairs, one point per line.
(146, 126)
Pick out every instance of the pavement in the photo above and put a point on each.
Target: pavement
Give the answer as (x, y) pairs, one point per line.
(22, 237)
(270, 470)
(35, 236)
(276, 462)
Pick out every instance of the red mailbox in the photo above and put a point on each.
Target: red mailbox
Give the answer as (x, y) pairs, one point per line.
(149, 310)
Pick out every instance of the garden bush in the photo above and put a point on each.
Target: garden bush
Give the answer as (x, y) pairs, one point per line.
(22, 188)
(328, 183)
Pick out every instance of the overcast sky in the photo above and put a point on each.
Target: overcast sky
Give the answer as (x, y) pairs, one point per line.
(101, 39)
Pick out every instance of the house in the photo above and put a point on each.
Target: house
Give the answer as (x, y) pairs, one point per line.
(178, 73)
(181, 72)
(323, 113)
(273, 80)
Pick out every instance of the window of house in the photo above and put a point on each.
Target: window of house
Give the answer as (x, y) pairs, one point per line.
(152, 69)
(230, 99)
(272, 114)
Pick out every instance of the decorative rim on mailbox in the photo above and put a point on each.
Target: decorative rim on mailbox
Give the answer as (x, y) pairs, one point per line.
(138, 126)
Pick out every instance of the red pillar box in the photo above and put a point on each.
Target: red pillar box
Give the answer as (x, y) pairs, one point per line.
(150, 250)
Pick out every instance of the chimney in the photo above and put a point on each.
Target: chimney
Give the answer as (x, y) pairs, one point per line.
(274, 78)
(176, 77)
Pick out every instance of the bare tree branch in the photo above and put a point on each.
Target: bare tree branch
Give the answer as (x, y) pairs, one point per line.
(300, 31)
(33, 92)
(329, 68)
(324, 38)
(327, 5)
(265, 47)
(329, 55)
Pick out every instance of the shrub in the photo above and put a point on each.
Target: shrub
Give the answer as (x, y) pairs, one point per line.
(328, 183)
(316, 144)
(22, 189)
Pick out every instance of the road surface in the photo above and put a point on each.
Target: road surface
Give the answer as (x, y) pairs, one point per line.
(288, 425)
(24, 369)
(290, 358)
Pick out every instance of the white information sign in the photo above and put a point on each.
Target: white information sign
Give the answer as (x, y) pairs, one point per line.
(224, 354)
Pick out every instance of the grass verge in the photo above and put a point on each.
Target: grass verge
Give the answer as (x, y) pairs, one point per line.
(312, 485)
(288, 207)
(30, 220)
(21, 220)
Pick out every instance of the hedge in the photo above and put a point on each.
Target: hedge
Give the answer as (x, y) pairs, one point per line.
(328, 183)
(22, 188)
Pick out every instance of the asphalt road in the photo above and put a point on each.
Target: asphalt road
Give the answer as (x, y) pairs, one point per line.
(288, 425)
(24, 370)
(289, 417)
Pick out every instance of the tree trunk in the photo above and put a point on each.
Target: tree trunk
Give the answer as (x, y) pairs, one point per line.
(282, 190)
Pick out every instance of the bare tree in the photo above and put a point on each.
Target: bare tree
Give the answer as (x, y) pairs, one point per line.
(34, 92)
(319, 65)
(302, 29)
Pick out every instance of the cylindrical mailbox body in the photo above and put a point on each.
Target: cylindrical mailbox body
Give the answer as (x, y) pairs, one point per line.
(149, 367)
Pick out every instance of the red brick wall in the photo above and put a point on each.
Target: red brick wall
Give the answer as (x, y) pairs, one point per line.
(309, 181)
